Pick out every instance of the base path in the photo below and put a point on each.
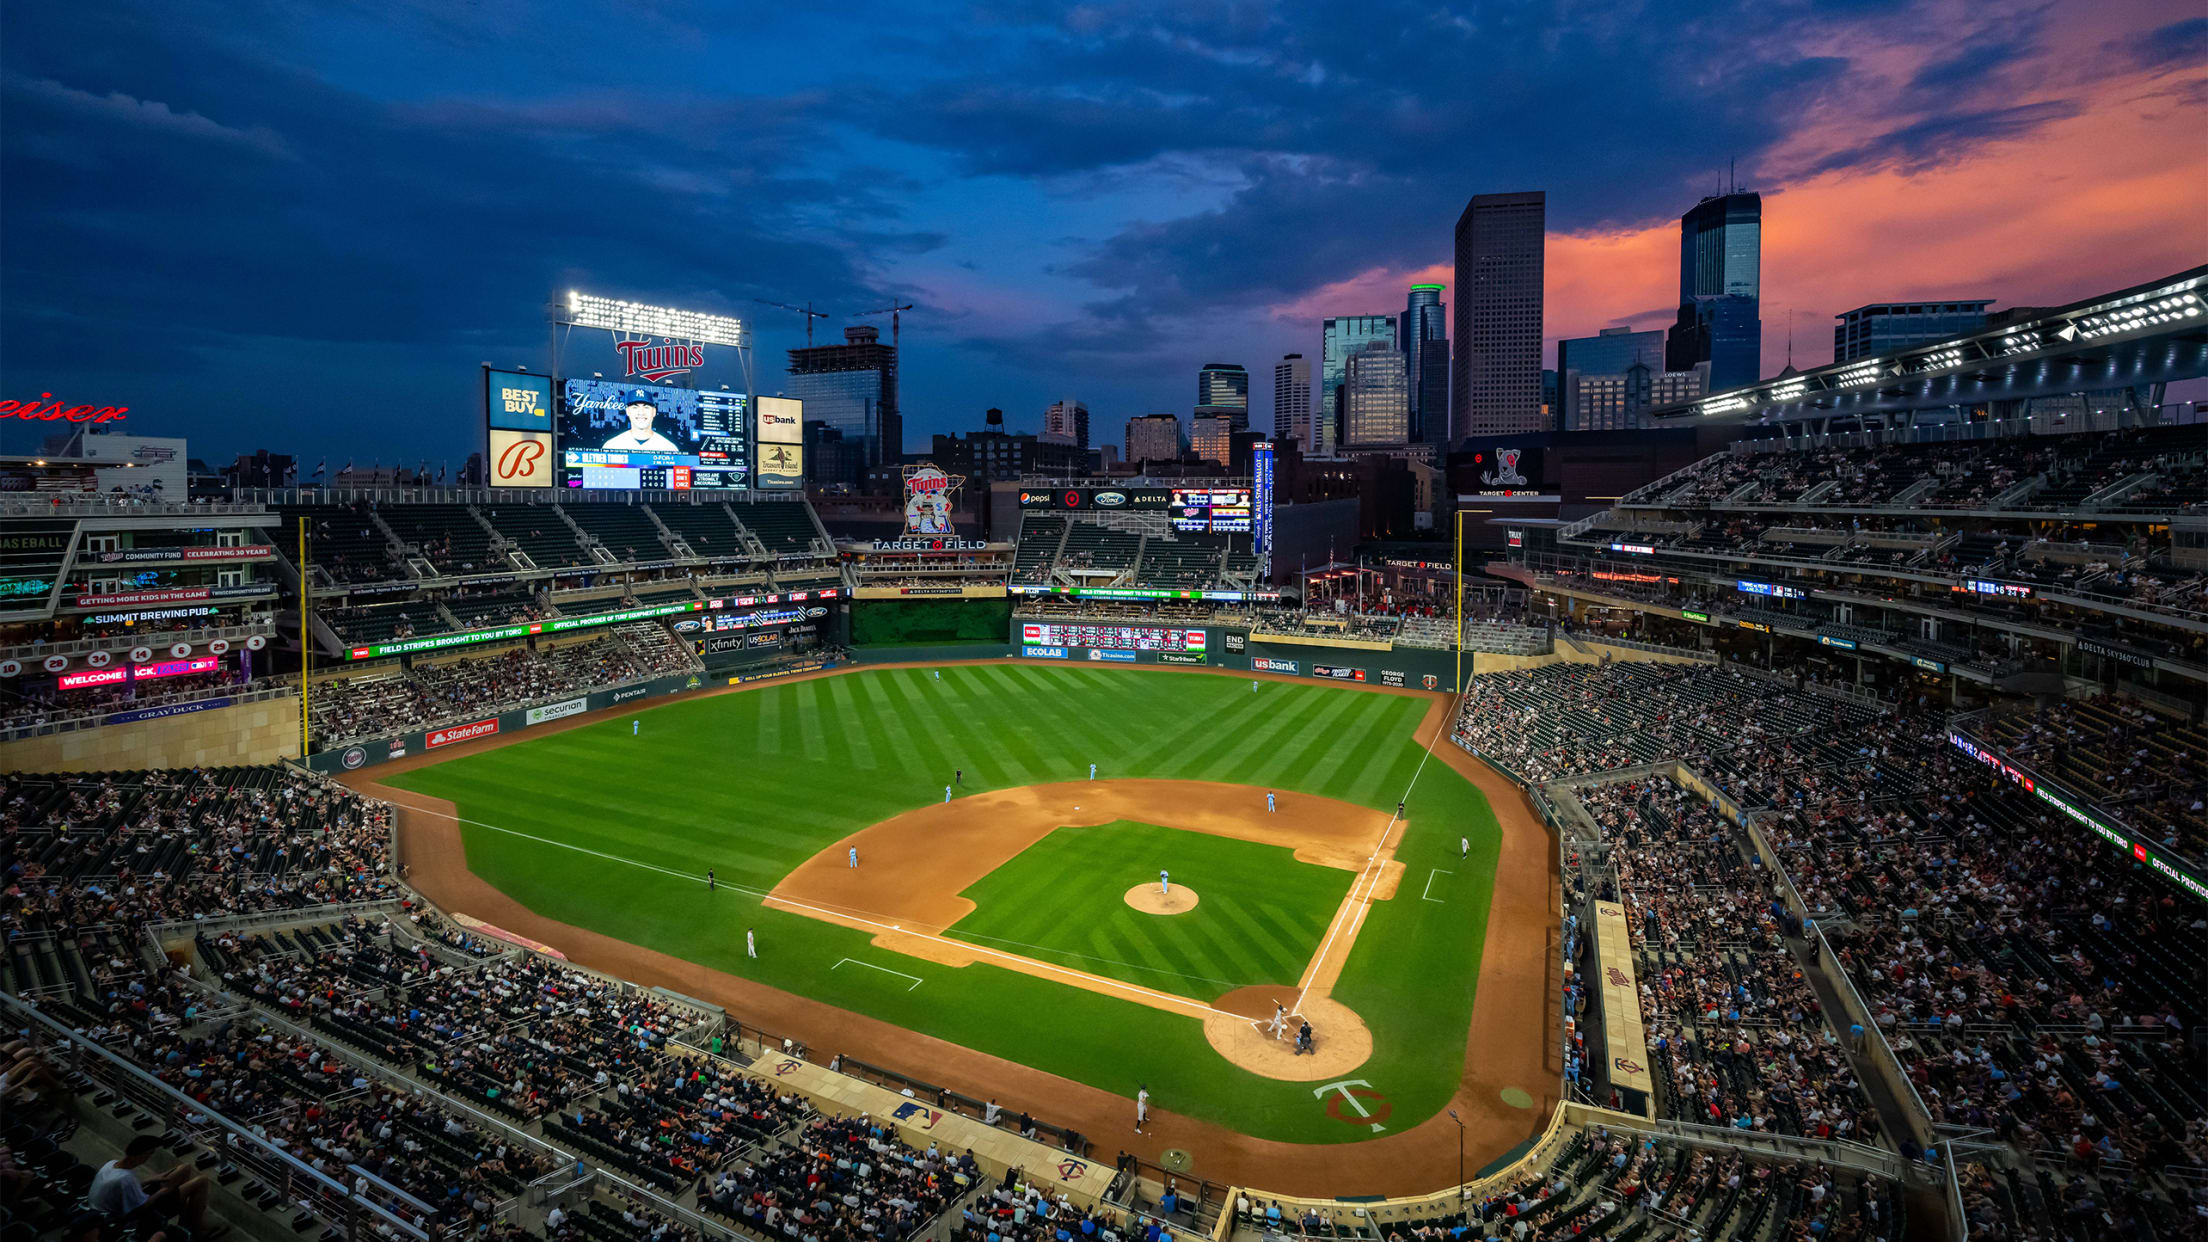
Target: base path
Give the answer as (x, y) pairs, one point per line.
(1510, 1052)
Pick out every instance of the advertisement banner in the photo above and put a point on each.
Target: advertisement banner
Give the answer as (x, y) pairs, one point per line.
(1390, 677)
(1113, 657)
(520, 458)
(1044, 653)
(460, 733)
(173, 709)
(789, 671)
(1180, 657)
(141, 556)
(1338, 672)
(1237, 642)
(556, 711)
(781, 420)
(1266, 664)
(517, 401)
(1098, 498)
(97, 677)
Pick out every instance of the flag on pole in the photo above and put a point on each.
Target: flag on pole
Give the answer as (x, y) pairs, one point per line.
(321, 467)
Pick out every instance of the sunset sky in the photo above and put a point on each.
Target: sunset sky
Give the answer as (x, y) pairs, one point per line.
(302, 227)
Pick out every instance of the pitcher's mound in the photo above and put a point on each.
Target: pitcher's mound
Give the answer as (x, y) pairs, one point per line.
(1147, 898)
(1340, 1038)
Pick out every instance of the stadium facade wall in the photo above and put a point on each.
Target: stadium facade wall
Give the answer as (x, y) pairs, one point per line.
(1591, 652)
(242, 734)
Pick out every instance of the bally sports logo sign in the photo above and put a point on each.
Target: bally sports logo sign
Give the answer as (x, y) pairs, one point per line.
(460, 733)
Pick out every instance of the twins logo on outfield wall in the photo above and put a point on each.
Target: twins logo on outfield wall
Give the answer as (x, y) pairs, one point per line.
(354, 756)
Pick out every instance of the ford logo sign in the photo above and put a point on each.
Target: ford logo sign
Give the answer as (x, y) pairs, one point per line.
(1110, 500)
(689, 625)
(816, 613)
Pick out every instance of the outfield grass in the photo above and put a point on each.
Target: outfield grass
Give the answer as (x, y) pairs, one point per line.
(1063, 899)
(754, 783)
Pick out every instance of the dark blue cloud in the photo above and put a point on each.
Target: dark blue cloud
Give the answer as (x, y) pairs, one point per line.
(305, 225)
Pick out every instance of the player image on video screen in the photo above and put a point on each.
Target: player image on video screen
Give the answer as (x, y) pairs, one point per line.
(638, 436)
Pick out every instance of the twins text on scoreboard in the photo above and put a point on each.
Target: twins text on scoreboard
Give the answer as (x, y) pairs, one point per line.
(1112, 637)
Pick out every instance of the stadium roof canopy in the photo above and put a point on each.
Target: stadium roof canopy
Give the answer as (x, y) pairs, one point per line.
(2150, 333)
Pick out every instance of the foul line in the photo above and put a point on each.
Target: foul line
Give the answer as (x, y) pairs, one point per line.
(1100, 982)
(916, 980)
(1357, 915)
(1429, 893)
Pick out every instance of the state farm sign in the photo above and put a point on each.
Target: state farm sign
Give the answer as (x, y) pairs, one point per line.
(460, 733)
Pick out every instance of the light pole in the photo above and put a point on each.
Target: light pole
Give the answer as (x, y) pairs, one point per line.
(1460, 1163)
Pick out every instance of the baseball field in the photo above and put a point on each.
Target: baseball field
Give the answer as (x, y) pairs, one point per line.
(1023, 917)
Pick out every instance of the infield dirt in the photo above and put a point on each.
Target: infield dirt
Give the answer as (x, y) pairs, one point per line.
(1510, 1045)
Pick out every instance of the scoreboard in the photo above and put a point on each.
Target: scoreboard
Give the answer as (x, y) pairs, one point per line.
(1112, 637)
(1213, 510)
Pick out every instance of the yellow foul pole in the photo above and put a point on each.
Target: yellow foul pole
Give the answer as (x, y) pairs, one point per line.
(1459, 687)
(306, 636)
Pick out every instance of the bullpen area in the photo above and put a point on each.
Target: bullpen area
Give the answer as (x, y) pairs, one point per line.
(916, 866)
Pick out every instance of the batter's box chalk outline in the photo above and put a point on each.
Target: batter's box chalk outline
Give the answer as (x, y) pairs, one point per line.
(1428, 895)
(916, 980)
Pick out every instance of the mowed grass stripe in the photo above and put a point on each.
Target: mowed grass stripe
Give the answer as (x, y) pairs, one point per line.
(1362, 719)
(846, 700)
(754, 782)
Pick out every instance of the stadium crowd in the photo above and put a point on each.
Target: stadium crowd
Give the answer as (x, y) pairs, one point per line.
(434, 694)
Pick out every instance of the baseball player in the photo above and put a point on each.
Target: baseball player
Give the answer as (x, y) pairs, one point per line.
(1464, 847)
(635, 726)
(958, 776)
(939, 674)
(1280, 1020)
(709, 879)
(1092, 771)
(751, 944)
(1165, 884)
(854, 857)
(1271, 805)
(1253, 685)
(946, 793)
(1142, 1107)
(640, 437)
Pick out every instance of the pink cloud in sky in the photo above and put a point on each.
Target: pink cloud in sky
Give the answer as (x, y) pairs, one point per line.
(2109, 197)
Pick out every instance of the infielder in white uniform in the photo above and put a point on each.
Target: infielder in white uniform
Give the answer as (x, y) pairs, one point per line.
(1142, 1107)
(751, 944)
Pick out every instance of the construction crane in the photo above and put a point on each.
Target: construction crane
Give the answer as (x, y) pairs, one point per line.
(805, 310)
(893, 312)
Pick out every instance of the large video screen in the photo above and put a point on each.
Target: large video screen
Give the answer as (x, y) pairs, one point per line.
(648, 436)
(1112, 637)
(1220, 510)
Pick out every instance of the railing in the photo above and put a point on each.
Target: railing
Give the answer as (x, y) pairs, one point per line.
(64, 504)
(31, 653)
(296, 1184)
(261, 690)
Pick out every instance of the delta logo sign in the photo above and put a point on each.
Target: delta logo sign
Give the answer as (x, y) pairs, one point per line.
(648, 361)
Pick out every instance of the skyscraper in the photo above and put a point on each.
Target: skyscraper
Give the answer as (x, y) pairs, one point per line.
(1883, 327)
(1292, 401)
(1224, 388)
(1720, 290)
(1376, 397)
(1424, 336)
(852, 388)
(1211, 435)
(1339, 338)
(1153, 437)
(1495, 375)
(1610, 352)
(1067, 422)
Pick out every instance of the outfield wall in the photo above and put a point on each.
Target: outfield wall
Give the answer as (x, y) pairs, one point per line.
(1234, 649)
(368, 753)
(200, 734)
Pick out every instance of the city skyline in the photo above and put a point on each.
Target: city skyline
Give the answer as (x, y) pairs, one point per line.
(284, 233)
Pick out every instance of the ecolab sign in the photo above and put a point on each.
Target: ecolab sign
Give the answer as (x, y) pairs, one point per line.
(460, 733)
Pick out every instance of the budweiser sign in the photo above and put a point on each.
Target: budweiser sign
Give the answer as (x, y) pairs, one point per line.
(460, 733)
(656, 362)
(48, 410)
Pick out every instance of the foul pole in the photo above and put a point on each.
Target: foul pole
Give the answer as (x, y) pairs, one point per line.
(306, 635)
(1460, 601)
